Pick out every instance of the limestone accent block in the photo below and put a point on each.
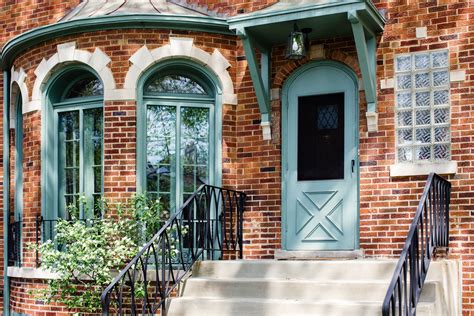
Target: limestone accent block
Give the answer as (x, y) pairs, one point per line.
(142, 58)
(275, 94)
(421, 32)
(82, 56)
(99, 60)
(67, 53)
(372, 121)
(317, 52)
(457, 76)
(161, 53)
(229, 98)
(387, 83)
(180, 47)
(119, 94)
(32, 106)
(266, 130)
(201, 56)
(42, 68)
(218, 62)
(18, 77)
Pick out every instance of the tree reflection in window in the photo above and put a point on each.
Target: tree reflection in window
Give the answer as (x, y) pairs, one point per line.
(174, 83)
(86, 87)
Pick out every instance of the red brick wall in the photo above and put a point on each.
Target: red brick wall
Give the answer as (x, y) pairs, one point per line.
(254, 165)
(119, 117)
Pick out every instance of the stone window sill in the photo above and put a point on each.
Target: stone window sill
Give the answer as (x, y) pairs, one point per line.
(30, 273)
(421, 169)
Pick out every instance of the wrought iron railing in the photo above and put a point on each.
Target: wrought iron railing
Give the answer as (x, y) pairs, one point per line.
(207, 227)
(14, 243)
(428, 232)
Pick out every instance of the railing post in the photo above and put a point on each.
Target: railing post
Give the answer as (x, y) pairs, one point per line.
(163, 275)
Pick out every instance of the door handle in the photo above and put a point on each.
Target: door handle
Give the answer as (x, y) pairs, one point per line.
(352, 165)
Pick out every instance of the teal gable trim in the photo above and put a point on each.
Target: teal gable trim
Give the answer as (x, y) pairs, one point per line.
(125, 21)
(202, 74)
(366, 47)
(260, 75)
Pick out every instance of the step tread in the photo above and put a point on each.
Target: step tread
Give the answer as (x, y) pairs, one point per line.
(290, 301)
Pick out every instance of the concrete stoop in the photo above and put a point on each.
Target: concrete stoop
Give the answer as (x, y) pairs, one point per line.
(300, 288)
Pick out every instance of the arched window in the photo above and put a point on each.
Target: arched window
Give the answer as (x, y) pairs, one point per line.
(15, 248)
(179, 110)
(75, 156)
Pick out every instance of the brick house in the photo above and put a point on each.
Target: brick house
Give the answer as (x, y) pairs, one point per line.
(328, 114)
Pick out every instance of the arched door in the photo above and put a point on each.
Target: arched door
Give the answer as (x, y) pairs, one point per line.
(320, 163)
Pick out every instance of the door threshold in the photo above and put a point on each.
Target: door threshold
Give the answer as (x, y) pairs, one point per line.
(281, 254)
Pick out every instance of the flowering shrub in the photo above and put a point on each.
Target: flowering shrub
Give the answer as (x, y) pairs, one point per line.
(86, 254)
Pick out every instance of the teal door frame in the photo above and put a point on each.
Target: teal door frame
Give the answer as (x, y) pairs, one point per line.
(285, 106)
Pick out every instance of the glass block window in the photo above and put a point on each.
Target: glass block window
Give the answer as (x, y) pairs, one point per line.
(422, 107)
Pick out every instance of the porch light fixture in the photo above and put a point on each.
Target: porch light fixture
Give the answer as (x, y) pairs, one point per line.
(298, 43)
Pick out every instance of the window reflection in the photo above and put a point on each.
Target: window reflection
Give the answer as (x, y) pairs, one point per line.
(177, 84)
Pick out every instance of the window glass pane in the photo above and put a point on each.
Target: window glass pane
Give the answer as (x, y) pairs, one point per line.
(404, 81)
(86, 87)
(440, 59)
(321, 137)
(422, 80)
(404, 100)
(194, 147)
(422, 61)
(93, 169)
(422, 99)
(173, 84)
(440, 78)
(161, 151)
(68, 154)
(403, 63)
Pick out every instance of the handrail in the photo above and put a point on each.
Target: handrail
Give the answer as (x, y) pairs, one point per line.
(428, 231)
(209, 226)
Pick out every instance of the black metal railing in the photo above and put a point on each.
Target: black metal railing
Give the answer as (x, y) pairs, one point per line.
(14, 243)
(428, 232)
(207, 227)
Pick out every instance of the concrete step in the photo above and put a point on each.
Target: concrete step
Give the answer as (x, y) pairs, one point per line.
(358, 291)
(266, 307)
(364, 270)
(301, 288)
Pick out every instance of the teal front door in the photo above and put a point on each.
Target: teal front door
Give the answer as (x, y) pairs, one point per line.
(320, 163)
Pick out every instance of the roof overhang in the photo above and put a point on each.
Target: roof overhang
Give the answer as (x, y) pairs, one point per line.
(357, 19)
(125, 21)
(327, 19)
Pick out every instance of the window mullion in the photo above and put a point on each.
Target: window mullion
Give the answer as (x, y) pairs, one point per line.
(81, 160)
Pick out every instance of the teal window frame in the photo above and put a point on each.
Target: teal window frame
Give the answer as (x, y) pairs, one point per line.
(18, 195)
(211, 101)
(18, 206)
(54, 104)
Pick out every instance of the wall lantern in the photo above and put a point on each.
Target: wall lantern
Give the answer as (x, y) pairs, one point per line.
(298, 43)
